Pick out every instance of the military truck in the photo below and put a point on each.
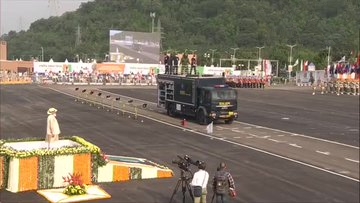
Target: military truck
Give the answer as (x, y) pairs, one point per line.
(206, 98)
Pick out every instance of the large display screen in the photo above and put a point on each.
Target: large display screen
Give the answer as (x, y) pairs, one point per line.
(134, 47)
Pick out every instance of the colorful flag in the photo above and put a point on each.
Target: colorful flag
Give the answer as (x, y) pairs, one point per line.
(306, 65)
(296, 62)
(342, 60)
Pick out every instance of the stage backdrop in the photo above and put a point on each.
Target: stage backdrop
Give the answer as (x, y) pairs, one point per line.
(134, 47)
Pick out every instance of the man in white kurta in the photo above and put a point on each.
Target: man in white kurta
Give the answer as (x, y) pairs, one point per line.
(52, 129)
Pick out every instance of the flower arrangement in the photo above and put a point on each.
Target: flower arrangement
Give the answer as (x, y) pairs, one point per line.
(85, 147)
(75, 185)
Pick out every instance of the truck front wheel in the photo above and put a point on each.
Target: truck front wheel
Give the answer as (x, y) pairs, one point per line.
(201, 118)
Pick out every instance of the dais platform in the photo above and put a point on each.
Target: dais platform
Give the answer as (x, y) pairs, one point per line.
(32, 164)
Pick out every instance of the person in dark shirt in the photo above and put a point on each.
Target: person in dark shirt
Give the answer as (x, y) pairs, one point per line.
(167, 63)
(223, 184)
(174, 64)
(193, 65)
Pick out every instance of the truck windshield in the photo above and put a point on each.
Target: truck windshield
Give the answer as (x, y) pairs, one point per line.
(223, 94)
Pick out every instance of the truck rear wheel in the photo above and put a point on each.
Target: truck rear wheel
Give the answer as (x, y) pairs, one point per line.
(201, 118)
(171, 110)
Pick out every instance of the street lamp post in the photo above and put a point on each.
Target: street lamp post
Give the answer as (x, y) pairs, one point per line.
(328, 56)
(259, 58)
(290, 58)
(291, 48)
(207, 56)
(259, 52)
(152, 16)
(212, 56)
(234, 56)
(42, 53)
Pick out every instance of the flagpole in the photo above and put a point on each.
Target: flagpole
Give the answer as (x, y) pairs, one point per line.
(328, 56)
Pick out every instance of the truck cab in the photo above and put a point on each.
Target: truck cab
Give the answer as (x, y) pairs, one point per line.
(216, 103)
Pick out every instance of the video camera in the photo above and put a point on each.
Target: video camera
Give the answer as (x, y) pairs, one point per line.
(185, 162)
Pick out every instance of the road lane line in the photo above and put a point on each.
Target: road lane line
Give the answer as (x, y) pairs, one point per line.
(352, 160)
(278, 141)
(321, 152)
(294, 134)
(295, 145)
(236, 137)
(344, 172)
(239, 144)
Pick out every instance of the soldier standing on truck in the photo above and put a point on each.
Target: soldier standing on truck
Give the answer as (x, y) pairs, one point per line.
(167, 63)
(193, 65)
(174, 63)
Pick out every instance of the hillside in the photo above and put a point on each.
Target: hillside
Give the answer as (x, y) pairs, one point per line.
(200, 25)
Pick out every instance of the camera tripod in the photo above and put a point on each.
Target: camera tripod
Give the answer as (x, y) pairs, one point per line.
(184, 181)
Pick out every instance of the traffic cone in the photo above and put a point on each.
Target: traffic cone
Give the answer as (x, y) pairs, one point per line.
(184, 123)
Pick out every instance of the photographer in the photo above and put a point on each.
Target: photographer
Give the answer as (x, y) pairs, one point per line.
(199, 183)
(223, 184)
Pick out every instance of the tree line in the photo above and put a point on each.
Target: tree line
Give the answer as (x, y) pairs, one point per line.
(211, 28)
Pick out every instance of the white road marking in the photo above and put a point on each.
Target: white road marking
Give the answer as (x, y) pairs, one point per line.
(356, 161)
(253, 135)
(285, 118)
(278, 141)
(321, 152)
(247, 127)
(280, 135)
(344, 172)
(295, 145)
(315, 138)
(236, 137)
(237, 131)
(246, 146)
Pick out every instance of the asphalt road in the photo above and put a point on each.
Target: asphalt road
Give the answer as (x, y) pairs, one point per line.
(295, 110)
(259, 177)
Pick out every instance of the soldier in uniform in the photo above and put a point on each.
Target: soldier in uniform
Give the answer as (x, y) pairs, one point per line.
(346, 87)
(167, 63)
(193, 64)
(313, 88)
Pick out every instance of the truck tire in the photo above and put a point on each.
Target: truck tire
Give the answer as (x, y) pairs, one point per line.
(230, 121)
(201, 118)
(170, 110)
